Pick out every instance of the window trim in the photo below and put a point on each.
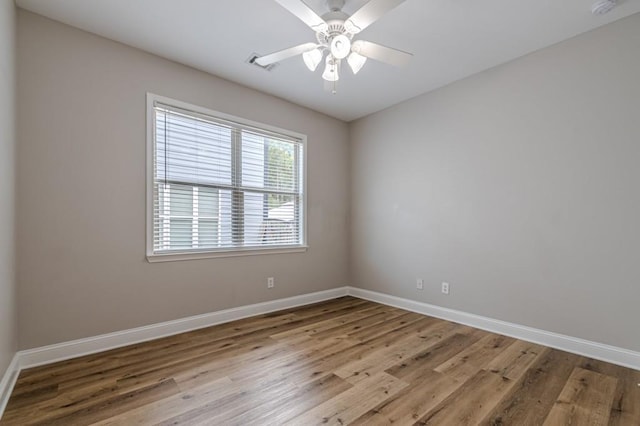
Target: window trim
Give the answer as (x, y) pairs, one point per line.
(153, 257)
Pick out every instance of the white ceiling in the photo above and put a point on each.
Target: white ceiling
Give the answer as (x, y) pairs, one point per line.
(451, 39)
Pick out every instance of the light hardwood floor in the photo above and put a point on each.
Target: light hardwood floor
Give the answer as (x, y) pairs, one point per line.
(345, 361)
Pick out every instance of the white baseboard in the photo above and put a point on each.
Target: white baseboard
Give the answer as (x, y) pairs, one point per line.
(608, 353)
(8, 381)
(75, 348)
(67, 350)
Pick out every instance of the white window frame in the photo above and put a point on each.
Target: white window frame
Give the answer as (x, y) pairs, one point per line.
(152, 256)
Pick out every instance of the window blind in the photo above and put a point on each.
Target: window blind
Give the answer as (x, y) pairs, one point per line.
(220, 185)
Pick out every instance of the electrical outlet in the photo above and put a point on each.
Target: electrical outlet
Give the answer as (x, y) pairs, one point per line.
(270, 282)
(445, 288)
(420, 284)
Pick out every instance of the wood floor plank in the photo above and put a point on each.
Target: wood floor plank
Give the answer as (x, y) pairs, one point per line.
(160, 367)
(161, 409)
(301, 357)
(65, 401)
(431, 357)
(388, 319)
(324, 307)
(370, 332)
(534, 395)
(156, 357)
(300, 400)
(586, 399)
(209, 339)
(471, 402)
(625, 409)
(424, 393)
(338, 321)
(165, 346)
(343, 361)
(221, 366)
(351, 404)
(515, 359)
(219, 411)
(377, 361)
(626, 402)
(334, 358)
(26, 400)
(92, 410)
(468, 362)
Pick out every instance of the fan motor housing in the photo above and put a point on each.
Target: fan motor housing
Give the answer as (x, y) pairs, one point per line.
(335, 26)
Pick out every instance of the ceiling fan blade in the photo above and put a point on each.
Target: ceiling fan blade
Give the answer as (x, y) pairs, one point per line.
(305, 14)
(281, 55)
(381, 53)
(368, 14)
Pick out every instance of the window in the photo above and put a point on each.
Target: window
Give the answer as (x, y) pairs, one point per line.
(220, 185)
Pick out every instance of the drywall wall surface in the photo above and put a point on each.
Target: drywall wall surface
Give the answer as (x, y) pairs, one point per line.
(8, 342)
(519, 186)
(81, 191)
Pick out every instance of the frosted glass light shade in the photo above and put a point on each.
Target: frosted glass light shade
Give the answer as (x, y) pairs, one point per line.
(331, 69)
(356, 62)
(312, 59)
(340, 46)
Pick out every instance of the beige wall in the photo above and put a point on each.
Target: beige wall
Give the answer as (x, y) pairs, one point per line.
(81, 192)
(520, 186)
(7, 170)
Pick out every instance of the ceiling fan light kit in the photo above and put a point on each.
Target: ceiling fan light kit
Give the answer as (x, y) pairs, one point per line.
(356, 61)
(331, 70)
(312, 58)
(340, 46)
(334, 33)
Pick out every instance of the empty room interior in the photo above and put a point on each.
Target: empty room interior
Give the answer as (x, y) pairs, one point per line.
(345, 212)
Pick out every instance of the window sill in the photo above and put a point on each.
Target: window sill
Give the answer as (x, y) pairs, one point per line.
(172, 257)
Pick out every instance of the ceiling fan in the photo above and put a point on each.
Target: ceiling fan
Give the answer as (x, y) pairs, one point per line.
(335, 31)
